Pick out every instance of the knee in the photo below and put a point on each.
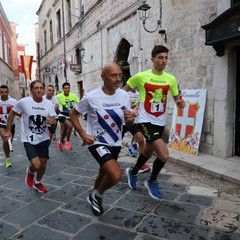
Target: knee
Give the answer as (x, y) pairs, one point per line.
(36, 165)
(116, 177)
(164, 156)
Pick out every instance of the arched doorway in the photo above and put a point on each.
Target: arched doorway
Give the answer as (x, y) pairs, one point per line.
(121, 59)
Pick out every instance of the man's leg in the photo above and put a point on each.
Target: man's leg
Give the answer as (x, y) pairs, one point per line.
(68, 125)
(8, 162)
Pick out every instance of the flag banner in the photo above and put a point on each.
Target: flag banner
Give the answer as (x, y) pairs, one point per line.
(185, 133)
(26, 63)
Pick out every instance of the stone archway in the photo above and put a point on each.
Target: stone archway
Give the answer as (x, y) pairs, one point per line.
(121, 59)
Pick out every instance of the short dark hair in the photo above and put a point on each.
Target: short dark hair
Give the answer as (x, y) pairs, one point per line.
(50, 85)
(159, 49)
(4, 86)
(36, 81)
(66, 84)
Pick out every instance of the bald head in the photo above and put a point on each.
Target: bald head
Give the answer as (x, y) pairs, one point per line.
(109, 67)
(111, 76)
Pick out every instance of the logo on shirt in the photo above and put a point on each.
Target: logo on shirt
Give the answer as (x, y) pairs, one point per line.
(37, 124)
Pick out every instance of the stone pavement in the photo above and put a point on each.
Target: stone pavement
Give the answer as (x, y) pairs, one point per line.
(185, 212)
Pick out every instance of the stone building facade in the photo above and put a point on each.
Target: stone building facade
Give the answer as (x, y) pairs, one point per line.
(106, 29)
(6, 58)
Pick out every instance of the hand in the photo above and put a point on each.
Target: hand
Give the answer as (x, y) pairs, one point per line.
(128, 115)
(181, 104)
(87, 139)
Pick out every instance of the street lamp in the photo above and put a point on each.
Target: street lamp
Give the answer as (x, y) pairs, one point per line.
(82, 51)
(143, 12)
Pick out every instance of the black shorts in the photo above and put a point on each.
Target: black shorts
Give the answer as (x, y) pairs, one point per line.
(103, 153)
(39, 150)
(151, 132)
(62, 119)
(12, 129)
(133, 129)
(52, 129)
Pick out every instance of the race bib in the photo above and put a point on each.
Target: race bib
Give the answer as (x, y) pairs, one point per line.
(157, 107)
(102, 150)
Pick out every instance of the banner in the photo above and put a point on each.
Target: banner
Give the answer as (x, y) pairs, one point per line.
(185, 133)
(26, 63)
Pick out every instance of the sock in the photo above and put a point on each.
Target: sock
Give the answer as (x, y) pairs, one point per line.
(95, 192)
(157, 166)
(37, 182)
(30, 172)
(140, 162)
(8, 158)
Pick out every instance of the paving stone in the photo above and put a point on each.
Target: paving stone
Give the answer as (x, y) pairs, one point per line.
(202, 191)
(4, 180)
(54, 169)
(147, 237)
(31, 212)
(4, 192)
(102, 232)
(29, 194)
(110, 197)
(61, 179)
(85, 181)
(221, 235)
(172, 229)
(184, 212)
(196, 199)
(231, 206)
(78, 205)
(6, 230)
(7, 206)
(65, 221)
(17, 184)
(82, 172)
(174, 187)
(122, 217)
(138, 203)
(67, 193)
(36, 232)
(220, 219)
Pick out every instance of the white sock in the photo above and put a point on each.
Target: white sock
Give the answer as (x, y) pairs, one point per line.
(37, 182)
(95, 192)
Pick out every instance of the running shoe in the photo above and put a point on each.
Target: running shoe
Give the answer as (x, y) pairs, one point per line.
(68, 145)
(132, 180)
(39, 187)
(153, 189)
(59, 145)
(29, 179)
(130, 152)
(8, 163)
(144, 168)
(96, 204)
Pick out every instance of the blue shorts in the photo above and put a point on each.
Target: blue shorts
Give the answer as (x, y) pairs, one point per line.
(39, 150)
(103, 153)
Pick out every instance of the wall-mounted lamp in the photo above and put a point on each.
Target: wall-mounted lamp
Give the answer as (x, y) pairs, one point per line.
(82, 50)
(143, 12)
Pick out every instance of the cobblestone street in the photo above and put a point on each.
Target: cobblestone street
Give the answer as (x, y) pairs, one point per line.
(194, 206)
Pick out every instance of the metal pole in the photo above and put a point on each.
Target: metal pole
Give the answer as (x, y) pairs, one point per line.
(64, 43)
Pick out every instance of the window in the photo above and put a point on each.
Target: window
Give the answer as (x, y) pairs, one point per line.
(1, 44)
(51, 33)
(5, 50)
(45, 41)
(78, 58)
(58, 15)
(69, 14)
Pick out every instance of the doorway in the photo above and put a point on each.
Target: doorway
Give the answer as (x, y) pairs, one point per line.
(237, 120)
(121, 59)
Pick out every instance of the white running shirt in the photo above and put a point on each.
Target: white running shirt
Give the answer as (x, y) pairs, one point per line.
(105, 112)
(5, 108)
(34, 119)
